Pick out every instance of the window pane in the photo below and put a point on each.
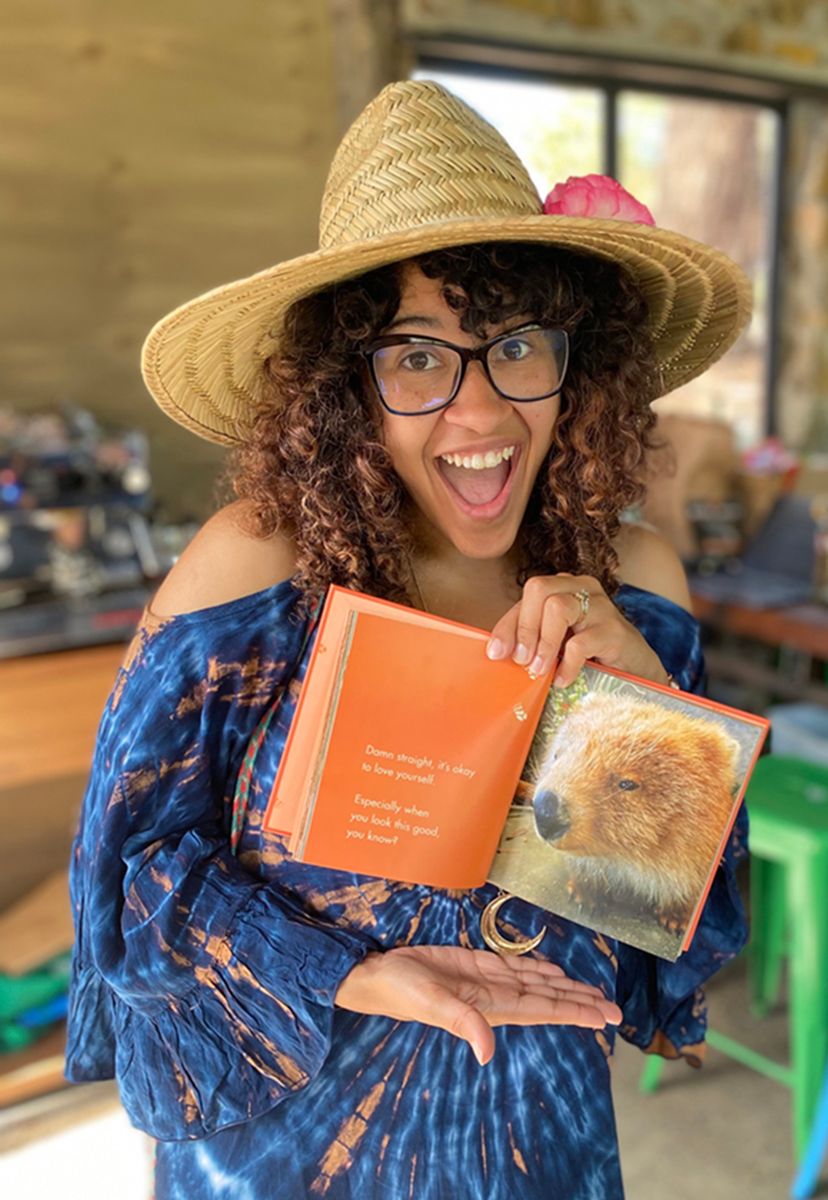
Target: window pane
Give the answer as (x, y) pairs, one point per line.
(555, 130)
(705, 168)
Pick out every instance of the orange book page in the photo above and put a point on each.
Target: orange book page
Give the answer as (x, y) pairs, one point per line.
(301, 747)
(424, 752)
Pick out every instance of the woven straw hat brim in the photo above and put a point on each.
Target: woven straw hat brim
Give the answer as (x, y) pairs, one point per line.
(203, 361)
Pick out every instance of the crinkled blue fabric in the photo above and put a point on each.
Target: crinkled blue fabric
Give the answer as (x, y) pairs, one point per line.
(204, 982)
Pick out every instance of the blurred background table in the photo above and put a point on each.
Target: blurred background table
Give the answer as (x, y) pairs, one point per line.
(797, 637)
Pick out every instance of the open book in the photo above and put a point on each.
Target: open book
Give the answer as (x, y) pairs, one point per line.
(414, 757)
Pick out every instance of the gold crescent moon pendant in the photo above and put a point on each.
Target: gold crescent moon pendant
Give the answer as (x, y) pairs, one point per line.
(494, 939)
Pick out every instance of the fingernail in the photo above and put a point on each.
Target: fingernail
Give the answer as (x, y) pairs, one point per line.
(521, 654)
(558, 681)
(494, 648)
(538, 666)
(478, 1054)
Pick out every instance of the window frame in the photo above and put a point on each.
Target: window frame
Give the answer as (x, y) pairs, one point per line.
(611, 75)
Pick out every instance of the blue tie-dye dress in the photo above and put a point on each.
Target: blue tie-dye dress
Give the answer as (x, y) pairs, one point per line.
(204, 980)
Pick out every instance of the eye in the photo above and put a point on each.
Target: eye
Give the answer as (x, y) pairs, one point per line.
(419, 359)
(627, 785)
(514, 349)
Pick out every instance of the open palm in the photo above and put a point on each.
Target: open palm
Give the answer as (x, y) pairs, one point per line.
(470, 992)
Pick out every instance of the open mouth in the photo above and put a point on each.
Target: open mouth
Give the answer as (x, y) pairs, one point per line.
(484, 493)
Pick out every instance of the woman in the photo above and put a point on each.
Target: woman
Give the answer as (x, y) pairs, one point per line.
(447, 406)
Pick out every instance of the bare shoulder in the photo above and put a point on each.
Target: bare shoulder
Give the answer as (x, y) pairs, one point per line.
(648, 561)
(224, 562)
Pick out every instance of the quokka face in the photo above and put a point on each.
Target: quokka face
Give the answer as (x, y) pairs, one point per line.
(630, 783)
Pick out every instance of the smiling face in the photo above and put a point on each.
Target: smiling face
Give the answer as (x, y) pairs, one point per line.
(478, 512)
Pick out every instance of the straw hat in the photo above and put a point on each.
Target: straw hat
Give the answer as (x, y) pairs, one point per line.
(418, 171)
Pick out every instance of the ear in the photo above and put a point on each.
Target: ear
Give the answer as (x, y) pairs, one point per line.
(724, 749)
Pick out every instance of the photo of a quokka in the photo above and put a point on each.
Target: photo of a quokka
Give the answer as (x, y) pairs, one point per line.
(613, 758)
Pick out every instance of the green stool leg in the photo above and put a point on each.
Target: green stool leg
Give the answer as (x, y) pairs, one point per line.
(809, 987)
(767, 933)
(651, 1074)
(788, 801)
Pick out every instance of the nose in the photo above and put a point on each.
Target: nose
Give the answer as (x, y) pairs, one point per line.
(550, 815)
(477, 405)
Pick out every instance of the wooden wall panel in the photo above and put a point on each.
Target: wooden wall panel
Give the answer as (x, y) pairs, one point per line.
(147, 152)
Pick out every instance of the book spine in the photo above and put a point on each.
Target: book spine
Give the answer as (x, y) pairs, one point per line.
(309, 800)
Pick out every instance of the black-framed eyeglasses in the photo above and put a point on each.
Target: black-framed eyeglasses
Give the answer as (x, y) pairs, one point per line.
(414, 375)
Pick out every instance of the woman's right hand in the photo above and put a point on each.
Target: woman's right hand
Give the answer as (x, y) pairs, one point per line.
(470, 992)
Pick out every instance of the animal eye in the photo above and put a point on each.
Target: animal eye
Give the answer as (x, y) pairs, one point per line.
(627, 785)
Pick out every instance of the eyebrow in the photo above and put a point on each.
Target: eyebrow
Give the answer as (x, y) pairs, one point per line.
(426, 322)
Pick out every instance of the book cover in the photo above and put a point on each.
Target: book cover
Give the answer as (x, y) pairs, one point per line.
(414, 757)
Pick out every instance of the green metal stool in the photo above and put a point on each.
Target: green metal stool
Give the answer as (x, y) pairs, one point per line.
(788, 807)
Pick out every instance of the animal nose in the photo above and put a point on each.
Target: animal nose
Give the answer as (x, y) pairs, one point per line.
(550, 815)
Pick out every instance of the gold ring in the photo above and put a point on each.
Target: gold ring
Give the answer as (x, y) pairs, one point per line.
(583, 596)
(492, 936)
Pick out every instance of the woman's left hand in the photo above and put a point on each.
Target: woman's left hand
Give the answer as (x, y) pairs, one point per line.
(551, 622)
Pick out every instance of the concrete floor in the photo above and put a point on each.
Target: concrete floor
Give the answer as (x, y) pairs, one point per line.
(719, 1133)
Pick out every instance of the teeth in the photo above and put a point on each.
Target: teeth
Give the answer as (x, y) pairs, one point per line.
(478, 462)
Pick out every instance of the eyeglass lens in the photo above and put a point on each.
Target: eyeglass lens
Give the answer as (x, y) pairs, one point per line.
(418, 376)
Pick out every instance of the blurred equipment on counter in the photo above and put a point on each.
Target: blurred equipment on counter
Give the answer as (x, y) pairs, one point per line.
(752, 529)
(768, 470)
(63, 459)
(717, 529)
(819, 511)
(777, 568)
(81, 544)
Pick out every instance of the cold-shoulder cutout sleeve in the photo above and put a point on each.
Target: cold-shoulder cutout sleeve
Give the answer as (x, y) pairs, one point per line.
(205, 991)
(663, 1002)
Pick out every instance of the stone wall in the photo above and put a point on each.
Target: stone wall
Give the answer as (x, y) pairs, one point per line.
(784, 38)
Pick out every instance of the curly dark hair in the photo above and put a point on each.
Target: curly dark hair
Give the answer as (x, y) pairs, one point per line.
(315, 467)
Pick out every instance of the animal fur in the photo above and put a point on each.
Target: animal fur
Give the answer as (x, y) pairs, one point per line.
(636, 795)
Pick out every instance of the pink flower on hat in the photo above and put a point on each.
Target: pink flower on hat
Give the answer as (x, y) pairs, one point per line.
(595, 196)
